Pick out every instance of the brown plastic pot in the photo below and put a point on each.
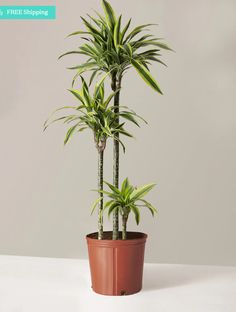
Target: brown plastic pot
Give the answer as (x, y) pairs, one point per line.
(116, 266)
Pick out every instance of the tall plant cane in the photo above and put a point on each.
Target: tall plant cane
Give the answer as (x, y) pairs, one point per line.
(95, 113)
(112, 49)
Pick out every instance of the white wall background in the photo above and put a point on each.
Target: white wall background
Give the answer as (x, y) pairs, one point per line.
(189, 147)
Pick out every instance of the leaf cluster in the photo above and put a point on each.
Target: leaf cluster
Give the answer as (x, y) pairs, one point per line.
(113, 48)
(127, 199)
(95, 113)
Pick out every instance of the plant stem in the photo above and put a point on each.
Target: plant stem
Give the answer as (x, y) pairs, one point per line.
(116, 84)
(124, 224)
(100, 187)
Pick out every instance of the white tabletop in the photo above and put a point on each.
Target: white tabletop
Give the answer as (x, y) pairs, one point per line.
(63, 285)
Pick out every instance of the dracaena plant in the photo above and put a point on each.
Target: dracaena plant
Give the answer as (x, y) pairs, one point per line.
(112, 48)
(95, 113)
(128, 199)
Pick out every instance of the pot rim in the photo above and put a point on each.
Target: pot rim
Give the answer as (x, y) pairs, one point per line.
(140, 239)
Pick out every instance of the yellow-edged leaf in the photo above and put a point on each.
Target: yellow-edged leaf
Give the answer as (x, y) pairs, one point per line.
(145, 74)
(117, 32)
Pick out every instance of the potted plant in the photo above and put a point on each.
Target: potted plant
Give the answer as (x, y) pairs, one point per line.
(116, 258)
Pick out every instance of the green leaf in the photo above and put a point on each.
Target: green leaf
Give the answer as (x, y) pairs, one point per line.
(121, 143)
(93, 49)
(124, 31)
(70, 52)
(78, 33)
(149, 206)
(141, 191)
(155, 59)
(88, 52)
(117, 32)
(136, 43)
(124, 185)
(113, 207)
(124, 132)
(153, 42)
(101, 94)
(136, 213)
(110, 97)
(162, 45)
(106, 131)
(85, 66)
(138, 116)
(100, 85)
(128, 49)
(82, 129)
(108, 203)
(128, 192)
(93, 30)
(149, 52)
(145, 74)
(136, 31)
(96, 202)
(95, 20)
(53, 121)
(72, 118)
(94, 73)
(109, 12)
(112, 187)
(79, 73)
(84, 85)
(129, 117)
(78, 95)
(69, 133)
(57, 110)
(101, 18)
(109, 194)
(76, 76)
(85, 92)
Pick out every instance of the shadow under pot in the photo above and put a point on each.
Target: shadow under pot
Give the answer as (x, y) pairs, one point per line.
(116, 266)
